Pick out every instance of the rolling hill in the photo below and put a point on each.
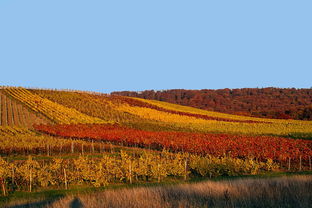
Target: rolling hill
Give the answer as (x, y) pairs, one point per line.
(97, 139)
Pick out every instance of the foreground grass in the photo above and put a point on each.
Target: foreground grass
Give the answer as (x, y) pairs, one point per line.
(286, 191)
(197, 192)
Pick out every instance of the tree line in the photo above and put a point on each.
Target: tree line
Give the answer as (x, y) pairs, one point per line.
(284, 103)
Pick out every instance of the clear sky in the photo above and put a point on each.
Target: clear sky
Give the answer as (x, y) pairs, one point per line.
(155, 44)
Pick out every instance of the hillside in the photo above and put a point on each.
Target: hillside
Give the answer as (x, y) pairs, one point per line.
(161, 116)
(56, 139)
(13, 113)
(287, 103)
(74, 107)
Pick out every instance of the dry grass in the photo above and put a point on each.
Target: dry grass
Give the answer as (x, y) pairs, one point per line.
(295, 191)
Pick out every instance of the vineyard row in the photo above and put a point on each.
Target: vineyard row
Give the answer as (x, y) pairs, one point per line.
(53, 111)
(259, 147)
(15, 114)
(62, 173)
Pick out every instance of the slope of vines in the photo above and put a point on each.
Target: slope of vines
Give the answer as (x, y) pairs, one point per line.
(106, 108)
(160, 116)
(165, 108)
(53, 111)
(99, 106)
(202, 125)
(181, 108)
(13, 113)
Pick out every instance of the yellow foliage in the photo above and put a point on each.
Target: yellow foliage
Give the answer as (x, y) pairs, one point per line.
(214, 166)
(21, 138)
(53, 111)
(283, 127)
(124, 167)
(187, 109)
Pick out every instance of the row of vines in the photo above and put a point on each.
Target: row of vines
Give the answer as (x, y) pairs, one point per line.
(99, 106)
(159, 116)
(53, 111)
(259, 147)
(62, 173)
(105, 108)
(15, 114)
(21, 141)
(202, 125)
(148, 104)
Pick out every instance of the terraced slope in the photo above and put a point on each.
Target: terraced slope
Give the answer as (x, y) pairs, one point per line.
(156, 115)
(229, 117)
(14, 113)
(200, 125)
(104, 107)
(100, 106)
(53, 111)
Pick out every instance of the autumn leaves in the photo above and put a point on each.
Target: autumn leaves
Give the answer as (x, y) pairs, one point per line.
(123, 167)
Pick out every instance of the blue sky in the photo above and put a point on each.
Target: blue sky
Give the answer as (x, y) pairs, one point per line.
(136, 45)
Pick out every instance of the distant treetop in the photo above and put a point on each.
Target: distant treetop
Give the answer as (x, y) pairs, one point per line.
(285, 103)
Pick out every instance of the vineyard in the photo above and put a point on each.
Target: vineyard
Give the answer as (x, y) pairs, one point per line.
(21, 141)
(258, 126)
(51, 110)
(15, 114)
(159, 116)
(257, 147)
(123, 167)
(63, 139)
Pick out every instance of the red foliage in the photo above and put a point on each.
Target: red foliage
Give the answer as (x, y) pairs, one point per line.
(261, 102)
(261, 147)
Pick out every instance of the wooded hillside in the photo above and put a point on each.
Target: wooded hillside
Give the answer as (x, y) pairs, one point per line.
(286, 103)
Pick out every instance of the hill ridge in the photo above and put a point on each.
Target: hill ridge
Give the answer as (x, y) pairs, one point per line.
(270, 102)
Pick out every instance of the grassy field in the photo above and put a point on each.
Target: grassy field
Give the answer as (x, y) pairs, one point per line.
(277, 190)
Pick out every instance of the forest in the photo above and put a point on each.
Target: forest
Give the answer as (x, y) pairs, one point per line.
(280, 103)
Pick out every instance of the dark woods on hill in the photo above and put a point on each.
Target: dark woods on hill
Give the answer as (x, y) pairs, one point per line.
(283, 103)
